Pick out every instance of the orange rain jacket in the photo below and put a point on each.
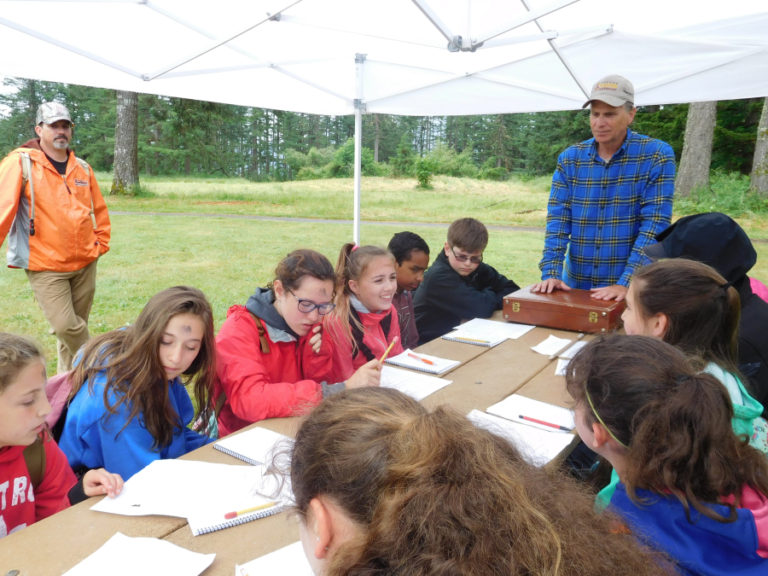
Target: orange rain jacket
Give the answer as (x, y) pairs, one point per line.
(65, 239)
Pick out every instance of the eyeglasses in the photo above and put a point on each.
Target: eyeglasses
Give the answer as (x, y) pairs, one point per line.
(464, 258)
(306, 306)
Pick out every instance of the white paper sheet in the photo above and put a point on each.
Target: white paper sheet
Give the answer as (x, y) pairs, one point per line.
(125, 556)
(289, 560)
(417, 386)
(570, 352)
(551, 345)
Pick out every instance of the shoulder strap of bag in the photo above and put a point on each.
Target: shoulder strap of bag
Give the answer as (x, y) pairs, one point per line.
(357, 333)
(34, 456)
(26, 171)
(87, 169)
(263, 342)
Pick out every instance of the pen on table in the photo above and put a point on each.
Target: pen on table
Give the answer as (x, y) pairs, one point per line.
(235, 514)
(564, 348)
(425, 360)
(386, 352)
(545, 423)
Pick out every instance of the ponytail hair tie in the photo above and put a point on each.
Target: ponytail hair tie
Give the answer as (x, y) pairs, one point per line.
(726, 285)
(355, 247)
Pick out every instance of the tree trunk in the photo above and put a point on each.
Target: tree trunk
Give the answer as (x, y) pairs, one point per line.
(759, 174)
(126, 169)
(697, 148)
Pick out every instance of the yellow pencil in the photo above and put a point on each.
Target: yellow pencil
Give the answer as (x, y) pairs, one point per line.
(478, 340)
(235, 514)
(386, 352)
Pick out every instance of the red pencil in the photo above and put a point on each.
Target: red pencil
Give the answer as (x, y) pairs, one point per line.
(544, 423)
(425, 360)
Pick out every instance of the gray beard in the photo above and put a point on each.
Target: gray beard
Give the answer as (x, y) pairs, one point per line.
(60, 144)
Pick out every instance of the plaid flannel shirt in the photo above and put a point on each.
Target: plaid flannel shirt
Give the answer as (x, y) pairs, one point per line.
(605, 213)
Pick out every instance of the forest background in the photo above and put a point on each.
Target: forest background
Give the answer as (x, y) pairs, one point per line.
(226, 191)
(194, 138)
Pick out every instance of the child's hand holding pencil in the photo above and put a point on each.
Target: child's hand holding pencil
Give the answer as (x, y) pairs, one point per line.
(389, 348)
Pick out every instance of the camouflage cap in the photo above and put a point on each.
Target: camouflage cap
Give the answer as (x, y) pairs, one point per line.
(50, 112)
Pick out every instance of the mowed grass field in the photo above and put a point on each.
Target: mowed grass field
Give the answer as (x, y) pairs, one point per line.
(217, 235)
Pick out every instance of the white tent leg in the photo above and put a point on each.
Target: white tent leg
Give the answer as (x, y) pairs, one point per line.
(359, 108)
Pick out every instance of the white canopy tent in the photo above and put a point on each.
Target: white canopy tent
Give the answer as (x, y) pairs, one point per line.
(407, 57)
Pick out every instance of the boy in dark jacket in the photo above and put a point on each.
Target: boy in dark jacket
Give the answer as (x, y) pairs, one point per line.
(459, 285)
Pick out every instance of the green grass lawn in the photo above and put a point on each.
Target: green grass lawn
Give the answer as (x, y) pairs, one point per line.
(213, 247)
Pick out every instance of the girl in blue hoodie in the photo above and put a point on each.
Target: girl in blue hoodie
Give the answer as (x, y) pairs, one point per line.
(689, 485)
(129, 402)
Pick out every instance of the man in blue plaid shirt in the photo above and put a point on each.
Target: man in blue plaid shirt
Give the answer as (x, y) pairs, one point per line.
(610, 196)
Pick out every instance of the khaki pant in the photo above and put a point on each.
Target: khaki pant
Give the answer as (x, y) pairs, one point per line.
(66, 298)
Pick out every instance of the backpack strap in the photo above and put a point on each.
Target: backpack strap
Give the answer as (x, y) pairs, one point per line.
(34, 456)
(263, 342)
(357, 333)
(26, 171)
(87, 169)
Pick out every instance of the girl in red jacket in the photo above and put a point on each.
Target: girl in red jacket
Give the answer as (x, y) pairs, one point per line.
(364, 322)
(272, 361)
(23, 407)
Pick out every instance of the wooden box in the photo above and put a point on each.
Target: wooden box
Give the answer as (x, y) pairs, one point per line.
(568, 310)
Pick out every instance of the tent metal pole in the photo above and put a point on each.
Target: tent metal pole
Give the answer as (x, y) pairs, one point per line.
(358, 156)
(359, 109)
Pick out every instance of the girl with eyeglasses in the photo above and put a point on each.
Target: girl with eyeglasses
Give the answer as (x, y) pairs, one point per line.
(689, 485)
(364, 322)
(271, 359)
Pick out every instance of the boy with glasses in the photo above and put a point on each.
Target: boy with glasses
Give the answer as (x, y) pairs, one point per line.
(459, 286)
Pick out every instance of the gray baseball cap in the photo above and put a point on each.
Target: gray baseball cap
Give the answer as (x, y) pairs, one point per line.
(614, 90)
(50, 112)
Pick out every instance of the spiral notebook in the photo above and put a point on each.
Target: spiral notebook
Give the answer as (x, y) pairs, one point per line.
(217, 519)
(460, 335)
(483, 332)
(255, 446)
(422, 362)
(210, 496)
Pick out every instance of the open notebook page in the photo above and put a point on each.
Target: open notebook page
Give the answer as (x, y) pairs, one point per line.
(536, 445)
(422, 362)
(202, 492)
(482, 327)
(417, 386)
(533, 413)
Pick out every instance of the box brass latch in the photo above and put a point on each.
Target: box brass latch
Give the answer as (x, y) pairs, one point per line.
(593, 318)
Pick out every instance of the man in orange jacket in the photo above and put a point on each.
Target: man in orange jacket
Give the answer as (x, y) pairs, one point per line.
(56, 221)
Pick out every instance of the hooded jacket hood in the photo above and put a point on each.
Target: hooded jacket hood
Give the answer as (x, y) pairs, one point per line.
(262, 305)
